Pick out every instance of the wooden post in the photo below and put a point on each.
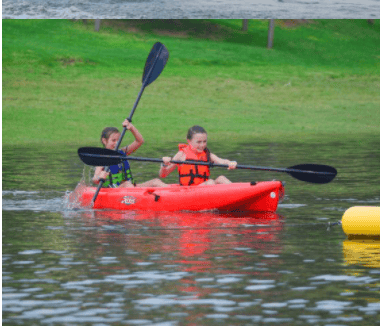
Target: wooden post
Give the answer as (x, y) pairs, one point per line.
(97, 25)
(245, 25)
(270, 33)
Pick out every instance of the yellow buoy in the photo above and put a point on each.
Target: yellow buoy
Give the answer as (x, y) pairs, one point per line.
(362, 221)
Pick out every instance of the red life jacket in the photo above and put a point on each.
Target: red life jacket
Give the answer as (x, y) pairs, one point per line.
(192, 175)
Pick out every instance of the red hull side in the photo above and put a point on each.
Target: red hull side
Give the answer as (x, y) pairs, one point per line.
(261, 197)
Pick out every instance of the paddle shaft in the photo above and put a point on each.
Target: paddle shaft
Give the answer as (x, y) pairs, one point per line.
(144, 84)
(130, 117)
(119, 159)
(239, 166)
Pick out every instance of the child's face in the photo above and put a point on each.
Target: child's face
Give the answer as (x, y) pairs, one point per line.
(198, 142)
(111, 142)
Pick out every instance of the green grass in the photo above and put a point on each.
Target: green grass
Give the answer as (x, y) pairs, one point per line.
(63, 82)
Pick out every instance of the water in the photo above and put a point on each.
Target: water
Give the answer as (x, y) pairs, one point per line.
(169, 9)
(86, 267)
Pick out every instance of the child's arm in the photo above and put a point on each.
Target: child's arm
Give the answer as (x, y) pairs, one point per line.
(167, 167)
(99, 174)
(217, 160)
(139, 140)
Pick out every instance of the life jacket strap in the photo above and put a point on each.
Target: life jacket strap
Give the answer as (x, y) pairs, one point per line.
(193, 175)
(121, 176)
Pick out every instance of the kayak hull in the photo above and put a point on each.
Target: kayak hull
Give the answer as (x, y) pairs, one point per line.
(257, 197)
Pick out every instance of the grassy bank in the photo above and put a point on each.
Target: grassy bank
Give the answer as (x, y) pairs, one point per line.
(63, 82)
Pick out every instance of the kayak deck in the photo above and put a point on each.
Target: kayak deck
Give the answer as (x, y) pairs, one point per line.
(258, 197)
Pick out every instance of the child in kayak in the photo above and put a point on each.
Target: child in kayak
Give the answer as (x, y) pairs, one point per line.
(120, 175)
(195, 150)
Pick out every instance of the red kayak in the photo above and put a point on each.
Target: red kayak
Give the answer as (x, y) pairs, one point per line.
(242, 197)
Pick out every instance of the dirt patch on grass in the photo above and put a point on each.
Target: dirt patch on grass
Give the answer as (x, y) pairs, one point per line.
(181, 28)
(293, 23)
(74, 61)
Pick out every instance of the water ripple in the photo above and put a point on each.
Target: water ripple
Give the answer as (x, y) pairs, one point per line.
(344, 278)
(160, 301)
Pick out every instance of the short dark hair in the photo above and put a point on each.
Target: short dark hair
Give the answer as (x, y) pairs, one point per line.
(195, 130)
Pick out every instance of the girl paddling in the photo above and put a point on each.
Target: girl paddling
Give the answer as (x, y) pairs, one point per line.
(121, 175)
(195, 150)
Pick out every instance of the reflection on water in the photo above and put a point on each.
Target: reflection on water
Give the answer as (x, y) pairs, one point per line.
(362, 252)
(80, 266)
(193, 235)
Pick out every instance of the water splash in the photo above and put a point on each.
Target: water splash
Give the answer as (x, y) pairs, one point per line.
(71, 200)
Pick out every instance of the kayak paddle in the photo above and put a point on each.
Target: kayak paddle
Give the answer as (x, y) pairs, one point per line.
(154, 65)
(313, 173)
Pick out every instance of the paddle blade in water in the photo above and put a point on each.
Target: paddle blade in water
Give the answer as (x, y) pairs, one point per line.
(314, 173)
(100, 156)
(155, 63)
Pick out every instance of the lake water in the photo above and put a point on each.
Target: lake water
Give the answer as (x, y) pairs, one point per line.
(66, 266)
(195, 9)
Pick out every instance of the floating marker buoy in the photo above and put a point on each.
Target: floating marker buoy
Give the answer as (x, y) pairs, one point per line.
(362, 222)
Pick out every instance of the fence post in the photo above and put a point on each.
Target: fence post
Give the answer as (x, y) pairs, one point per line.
(245, 25)
(97, 25)
(270, 33)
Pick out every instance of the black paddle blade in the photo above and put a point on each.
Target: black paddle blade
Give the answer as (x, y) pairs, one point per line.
(100, 156)
(155, 63)
(314, 173)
